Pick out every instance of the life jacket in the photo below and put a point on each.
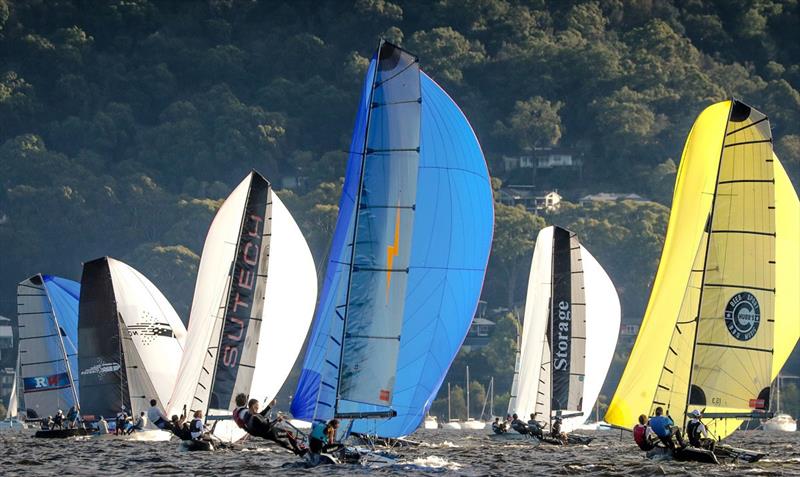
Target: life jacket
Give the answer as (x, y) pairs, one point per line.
(196, 428)
(318, 431)
(693, 431)
(237, 417)
(640, 437)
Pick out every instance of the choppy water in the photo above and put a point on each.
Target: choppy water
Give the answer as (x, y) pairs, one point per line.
(469, 453)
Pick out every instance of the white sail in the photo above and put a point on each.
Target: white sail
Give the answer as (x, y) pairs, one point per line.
(534, 326)
(288, 305)
(533, 378)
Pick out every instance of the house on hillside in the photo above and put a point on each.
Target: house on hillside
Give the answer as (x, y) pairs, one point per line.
(610, 197)
(529, 198)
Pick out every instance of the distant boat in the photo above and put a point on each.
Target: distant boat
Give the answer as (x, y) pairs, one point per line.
(781, 422)
(470, 423)
(722, 316)
(131, 341)
(569, 333)
(431, 422)
(252, 307)
(47, 317)
(408, 256)
(451, 424)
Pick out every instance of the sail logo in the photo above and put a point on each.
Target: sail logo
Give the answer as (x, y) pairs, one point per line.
(150, 329)
(561, 350)
(101, 369)
(742, 316)
(45, 383)
(391, 252)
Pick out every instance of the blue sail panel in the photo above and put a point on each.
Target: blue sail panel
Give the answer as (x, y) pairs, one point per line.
(384, 228)
(450, 249)
(64, 295)
(315, 395)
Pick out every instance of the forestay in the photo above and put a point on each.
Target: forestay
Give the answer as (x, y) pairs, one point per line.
(47, 319)
(131, 341)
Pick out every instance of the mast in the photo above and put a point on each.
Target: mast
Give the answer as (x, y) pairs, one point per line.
(491, 396)
(355, 234)
(467, 393)
(449, 417)
(550, 326)
(62, 347)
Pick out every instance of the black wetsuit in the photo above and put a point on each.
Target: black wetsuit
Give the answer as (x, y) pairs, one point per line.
(260, 426)
(520, 426)
(535, 429)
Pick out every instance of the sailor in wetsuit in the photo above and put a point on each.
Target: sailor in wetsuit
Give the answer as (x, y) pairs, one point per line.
(518, 425)
(643, 435)
(58, 420)
(534, 428)
(257, 424)
(323, 437)
(157, 416)
(499, 427)
(697, 433)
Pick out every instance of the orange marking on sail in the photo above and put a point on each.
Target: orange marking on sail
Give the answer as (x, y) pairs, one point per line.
(391, 252)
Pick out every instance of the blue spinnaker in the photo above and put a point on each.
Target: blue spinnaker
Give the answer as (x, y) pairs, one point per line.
(64, 295)
(452, 232)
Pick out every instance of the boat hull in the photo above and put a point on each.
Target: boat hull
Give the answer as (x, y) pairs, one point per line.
(60, 433)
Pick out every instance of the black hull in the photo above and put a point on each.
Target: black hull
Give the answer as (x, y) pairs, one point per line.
(61, 433)
(687, 454)
(726, 452)
(198, 446)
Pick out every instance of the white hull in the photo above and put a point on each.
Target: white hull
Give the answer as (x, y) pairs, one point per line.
(431, 423)
(300, 424)
(141, 436)
(781, 423)
(452, 426)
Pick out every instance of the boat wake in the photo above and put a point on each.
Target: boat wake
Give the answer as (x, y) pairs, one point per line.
(429, 463)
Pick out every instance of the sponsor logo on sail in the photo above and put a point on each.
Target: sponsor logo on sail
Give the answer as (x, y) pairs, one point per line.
(45, 383)
(742, 316)
(101, 369)
(149, 329)
(562, 335)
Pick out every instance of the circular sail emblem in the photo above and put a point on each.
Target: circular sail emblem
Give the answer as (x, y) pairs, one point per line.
(742, 316)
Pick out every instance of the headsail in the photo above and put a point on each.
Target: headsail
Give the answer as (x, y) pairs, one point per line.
(452, 199)
(572, 316)
(711, 317)
(255, 271)
(47, 316)
(131, 340)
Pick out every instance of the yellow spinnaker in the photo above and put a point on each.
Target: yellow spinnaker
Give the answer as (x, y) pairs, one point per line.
(728, 374)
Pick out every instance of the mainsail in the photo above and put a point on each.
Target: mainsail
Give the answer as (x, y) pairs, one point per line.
(47, 317)
(570, 328)
(131, 340)
(408, 255)
(253, 302)
(709, 336)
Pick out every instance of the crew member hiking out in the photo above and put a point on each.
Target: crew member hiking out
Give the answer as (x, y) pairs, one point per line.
(643, 435)
(664, 427)
(157, 416)
(518, 425)
(257, 424)
(534, 428)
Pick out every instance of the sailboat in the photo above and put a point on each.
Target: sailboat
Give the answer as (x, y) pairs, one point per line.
(451, 424)
(252, 307)
(407, 259)
(471, 423)
(722, 315)
(131, 341)
(781, 422)
(47, 320)
(571, 323)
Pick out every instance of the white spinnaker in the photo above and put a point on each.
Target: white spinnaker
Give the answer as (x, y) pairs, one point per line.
(534, 328)
(151, 355)
(288, 311)
(602, 330)
(208, 303)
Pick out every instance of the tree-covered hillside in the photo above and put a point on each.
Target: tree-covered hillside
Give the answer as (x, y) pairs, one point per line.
(123, 123)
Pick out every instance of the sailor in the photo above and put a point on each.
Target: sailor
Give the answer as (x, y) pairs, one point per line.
(257, 424)
(555, 431)
(534, 428)
(664, 427)
(102, 425)
(47, 424)
(697, 433)
(240, 413)
(157, 416)
(498, 427)
(518, 425)
(140, 424)
(180, 428)
(122, 417)
(197, 429)
(72, 417)
(323, 437)
(643, 435)
(58, 420)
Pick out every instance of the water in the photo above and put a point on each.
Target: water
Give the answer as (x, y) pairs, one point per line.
(469, 453)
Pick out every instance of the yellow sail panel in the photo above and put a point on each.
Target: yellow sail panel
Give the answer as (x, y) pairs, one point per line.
(673, 387)
(735, 333)
(787, 271)
(691, 204)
